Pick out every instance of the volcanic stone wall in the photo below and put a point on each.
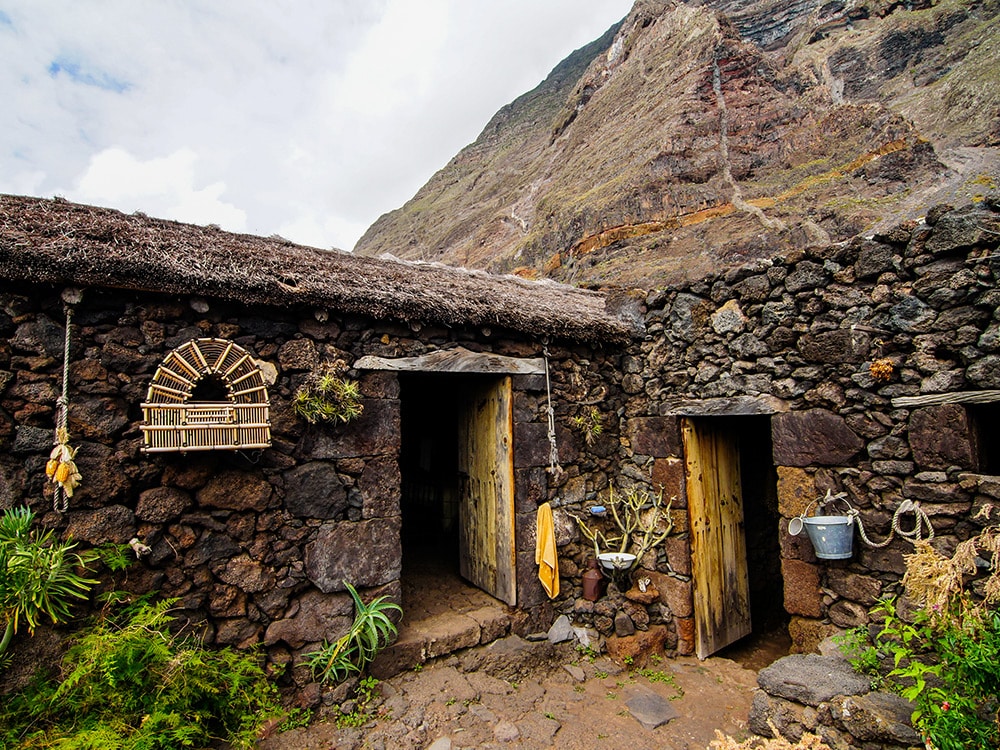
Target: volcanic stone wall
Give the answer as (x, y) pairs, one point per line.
(254, 544)
(790, 343)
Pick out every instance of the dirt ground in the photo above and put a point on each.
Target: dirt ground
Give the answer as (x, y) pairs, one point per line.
(514, 694)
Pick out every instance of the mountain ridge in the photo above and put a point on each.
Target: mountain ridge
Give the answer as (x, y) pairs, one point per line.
(677, 143)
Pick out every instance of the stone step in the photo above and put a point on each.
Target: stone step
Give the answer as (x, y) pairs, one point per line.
(439, 635)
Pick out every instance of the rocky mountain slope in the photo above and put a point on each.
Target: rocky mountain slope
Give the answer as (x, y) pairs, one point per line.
(691, 137)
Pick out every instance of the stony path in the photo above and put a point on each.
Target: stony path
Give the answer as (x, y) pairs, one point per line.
(514, 694)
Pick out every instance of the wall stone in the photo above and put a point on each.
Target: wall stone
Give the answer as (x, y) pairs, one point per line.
(366, 553)
(940, 437)
(813, 437)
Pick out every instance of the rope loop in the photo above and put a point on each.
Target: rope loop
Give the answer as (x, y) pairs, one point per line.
(921, 521)
(921, 524)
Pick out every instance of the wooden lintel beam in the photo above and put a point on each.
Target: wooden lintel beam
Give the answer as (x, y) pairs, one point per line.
(955, 397)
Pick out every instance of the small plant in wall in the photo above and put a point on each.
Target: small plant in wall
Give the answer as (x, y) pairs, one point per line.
(881, 369)
(328, 396)
(590, 423)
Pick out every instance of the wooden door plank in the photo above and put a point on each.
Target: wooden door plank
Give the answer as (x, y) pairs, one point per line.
(503, 432)
(718, 546)
(486, 511)
(732, 538)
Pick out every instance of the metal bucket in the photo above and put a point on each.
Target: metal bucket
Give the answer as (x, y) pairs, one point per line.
(832, 536)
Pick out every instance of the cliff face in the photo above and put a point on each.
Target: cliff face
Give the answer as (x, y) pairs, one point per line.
(693, 137)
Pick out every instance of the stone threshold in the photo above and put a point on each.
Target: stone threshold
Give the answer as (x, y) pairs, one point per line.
(439, 635)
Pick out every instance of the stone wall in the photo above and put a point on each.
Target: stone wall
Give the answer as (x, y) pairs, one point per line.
(255, 544)
(790, 343)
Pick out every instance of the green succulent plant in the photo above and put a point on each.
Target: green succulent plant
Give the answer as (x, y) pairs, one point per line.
(326, 396)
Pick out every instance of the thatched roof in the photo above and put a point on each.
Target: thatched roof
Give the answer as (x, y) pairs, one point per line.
(58, 242)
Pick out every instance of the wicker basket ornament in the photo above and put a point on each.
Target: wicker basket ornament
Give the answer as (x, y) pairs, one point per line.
(174, 422)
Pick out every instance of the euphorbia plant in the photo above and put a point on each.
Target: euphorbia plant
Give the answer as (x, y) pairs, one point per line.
(39, 575)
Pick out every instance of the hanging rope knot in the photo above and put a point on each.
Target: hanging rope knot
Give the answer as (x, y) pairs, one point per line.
(554, 467)
(61, 467)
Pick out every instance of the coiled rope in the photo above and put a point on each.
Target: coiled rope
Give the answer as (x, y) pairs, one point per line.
(921, 523)
(914, 535)
(60, 497)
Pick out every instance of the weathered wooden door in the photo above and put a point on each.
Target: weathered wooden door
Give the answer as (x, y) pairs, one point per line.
(718, 543)
(486, 509)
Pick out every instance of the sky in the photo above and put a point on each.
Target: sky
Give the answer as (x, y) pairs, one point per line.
(303, 118)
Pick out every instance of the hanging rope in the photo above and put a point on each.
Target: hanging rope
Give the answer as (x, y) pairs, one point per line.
(921, 524)
(914, 535)
(61, 468)
(554, 467)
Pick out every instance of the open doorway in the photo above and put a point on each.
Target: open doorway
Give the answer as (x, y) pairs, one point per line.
(456, 465)
(732, 501)
(428, 463)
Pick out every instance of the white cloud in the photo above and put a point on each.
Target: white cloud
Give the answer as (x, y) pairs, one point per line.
(161, 187)
(308, 119)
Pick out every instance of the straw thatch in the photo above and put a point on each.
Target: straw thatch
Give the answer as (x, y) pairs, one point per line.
(58, 242)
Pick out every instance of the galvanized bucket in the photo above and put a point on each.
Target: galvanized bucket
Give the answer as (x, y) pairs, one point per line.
(832, 537)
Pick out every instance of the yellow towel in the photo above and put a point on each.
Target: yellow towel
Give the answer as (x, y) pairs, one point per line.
(546, 555)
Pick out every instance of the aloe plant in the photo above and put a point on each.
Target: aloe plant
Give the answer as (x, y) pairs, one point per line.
(371, 631)
(39, 575)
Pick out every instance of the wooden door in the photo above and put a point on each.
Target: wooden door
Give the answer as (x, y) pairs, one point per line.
(486, 508)
(718, 543)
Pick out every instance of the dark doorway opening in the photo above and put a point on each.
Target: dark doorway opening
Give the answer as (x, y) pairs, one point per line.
(769, 639)
(430, 479)
(438, 602)
(983, 418)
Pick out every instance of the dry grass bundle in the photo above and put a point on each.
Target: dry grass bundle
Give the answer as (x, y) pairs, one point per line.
(808, 741)
(937, 582)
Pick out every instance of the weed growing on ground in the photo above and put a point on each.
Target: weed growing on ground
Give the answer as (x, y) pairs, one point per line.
(296, 719)
(362, 713)
(667, 678)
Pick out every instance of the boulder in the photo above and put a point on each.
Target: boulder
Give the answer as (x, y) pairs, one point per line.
(811, 679)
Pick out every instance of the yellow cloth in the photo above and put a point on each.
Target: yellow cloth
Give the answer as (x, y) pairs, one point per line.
(546, 555)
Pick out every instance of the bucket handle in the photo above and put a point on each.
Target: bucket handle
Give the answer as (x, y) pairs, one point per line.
(796, 524)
